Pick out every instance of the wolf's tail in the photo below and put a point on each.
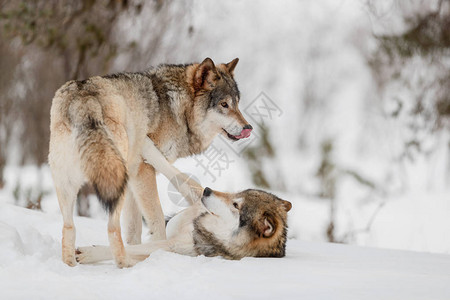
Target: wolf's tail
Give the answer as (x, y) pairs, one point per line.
(101, 161)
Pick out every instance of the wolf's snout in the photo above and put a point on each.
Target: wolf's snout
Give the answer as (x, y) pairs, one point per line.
(246, 131)
(207, 192)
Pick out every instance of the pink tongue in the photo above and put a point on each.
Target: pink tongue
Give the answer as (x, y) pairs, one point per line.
(245, 133)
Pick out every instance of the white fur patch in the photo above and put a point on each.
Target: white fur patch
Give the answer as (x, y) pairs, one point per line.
(225, 220)
(215, 119)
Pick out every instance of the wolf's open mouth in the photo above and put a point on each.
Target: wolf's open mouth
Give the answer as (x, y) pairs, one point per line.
(245, 133)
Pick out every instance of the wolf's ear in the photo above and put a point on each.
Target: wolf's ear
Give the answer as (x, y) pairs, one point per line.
(286, 205)
(231, 65)
(266, 227)
(206, 75)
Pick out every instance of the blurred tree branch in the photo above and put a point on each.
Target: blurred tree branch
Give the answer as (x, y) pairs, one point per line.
(412, 69)
(75, 30)
(255, 155)
(8, 107)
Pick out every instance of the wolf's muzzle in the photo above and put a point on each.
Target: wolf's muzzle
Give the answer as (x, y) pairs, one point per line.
(207, 192)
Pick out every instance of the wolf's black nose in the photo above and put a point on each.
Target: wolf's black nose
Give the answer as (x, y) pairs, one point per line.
(207, 191)
(248, 126)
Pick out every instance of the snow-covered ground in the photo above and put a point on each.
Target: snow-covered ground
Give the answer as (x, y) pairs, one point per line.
(418, 220)
(31, 268)
(310, 59)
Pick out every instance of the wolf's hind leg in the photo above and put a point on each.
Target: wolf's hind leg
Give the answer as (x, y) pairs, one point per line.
(68, 179)
(145, 192)
(66, 198)
(93, 254)
(119, 141)
(115, 237)
(142, 251)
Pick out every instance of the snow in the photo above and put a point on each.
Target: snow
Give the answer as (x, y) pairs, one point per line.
(31, 268)
(300, 49)
(418, 220)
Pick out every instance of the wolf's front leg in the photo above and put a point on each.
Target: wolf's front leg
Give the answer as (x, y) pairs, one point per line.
(188, 187)
(145, 193)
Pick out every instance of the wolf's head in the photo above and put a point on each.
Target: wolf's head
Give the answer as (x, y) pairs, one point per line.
(216, 100)
(257, 221)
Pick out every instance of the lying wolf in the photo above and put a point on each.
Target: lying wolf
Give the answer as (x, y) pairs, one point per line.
(249, 223)
(98, 127)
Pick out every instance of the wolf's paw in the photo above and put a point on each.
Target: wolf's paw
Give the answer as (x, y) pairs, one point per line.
(88, 255)
(125, 262)
(70, 260)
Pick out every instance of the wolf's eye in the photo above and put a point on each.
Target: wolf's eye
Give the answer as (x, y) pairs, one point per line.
(224, 104)
(236, 205)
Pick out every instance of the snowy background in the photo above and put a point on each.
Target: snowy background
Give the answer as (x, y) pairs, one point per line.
(336, 131)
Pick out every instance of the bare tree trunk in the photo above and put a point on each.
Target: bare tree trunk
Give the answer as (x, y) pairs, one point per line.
(327, 175)
(2, 168)
(330, 229)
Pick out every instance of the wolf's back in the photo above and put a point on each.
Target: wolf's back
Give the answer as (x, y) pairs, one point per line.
(101, 161)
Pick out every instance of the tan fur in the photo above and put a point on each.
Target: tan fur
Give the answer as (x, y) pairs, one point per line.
(131, 217)
(115, 239)
(144, 187)
(98, 128)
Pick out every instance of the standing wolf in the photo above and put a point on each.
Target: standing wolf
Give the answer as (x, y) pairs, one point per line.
(99, 125)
